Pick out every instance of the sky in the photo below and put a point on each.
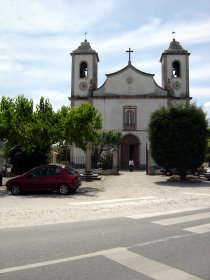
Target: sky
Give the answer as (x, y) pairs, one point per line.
(37, 37)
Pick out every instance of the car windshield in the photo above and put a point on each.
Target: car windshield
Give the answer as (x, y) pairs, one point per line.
(71, 170)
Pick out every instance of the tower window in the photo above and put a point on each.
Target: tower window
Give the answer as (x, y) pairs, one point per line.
(129, 118)
(83, 70)
(176, 69)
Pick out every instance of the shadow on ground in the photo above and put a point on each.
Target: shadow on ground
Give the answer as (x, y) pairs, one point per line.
(82, 191)
(191, 182)
(89, 191)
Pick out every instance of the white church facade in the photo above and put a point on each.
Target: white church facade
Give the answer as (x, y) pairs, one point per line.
(129, 96)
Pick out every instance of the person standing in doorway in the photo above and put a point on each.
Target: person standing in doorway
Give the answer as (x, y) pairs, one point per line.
(131, 164)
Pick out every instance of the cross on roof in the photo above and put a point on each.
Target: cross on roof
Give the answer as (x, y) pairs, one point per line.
(173, 32)
(129, 55)
(85, 35)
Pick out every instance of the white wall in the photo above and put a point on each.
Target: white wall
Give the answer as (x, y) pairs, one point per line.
(112, 115)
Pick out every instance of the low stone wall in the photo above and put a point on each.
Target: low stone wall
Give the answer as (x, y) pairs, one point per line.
(98, 171)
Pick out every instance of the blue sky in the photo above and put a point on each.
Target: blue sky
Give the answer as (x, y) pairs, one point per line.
(37, 37)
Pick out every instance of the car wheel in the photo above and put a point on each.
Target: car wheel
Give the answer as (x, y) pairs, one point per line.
(168, 173)
(63, 189)
(15, 189)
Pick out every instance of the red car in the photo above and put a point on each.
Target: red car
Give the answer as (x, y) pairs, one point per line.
(49, 177)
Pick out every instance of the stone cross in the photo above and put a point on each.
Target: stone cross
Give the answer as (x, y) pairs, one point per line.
(129, 56)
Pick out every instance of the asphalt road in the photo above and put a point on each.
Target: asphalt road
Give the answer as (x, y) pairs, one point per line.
(173, 245)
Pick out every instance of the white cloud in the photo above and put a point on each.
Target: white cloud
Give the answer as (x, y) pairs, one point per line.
(44, 74)
(156, 32)
(56, 98)
(51, 16)
(200, 71)
(8, 66)
(37, 37)
(200, 92)
(206, 108)
(202, 97)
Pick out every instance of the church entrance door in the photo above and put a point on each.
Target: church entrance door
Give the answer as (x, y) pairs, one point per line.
(129, 150)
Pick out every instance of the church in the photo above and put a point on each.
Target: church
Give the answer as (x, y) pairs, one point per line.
(129, 96)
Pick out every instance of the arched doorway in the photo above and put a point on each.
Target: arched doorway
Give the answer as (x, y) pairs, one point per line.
(130, 150)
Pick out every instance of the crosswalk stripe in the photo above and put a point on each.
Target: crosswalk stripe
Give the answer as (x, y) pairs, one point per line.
(121, 255)
(200, 194)
(182, 219)
(163, 213)
(148, 267)
(58, 261)
(111, 200)
(199, 229)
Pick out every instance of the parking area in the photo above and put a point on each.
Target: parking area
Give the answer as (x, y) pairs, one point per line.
(113, 196)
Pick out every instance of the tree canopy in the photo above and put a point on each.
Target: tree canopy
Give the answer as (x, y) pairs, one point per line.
(109, 140)
(178, 137)
(79, 125)
(208, 150)
(29, 133)
(102, 150)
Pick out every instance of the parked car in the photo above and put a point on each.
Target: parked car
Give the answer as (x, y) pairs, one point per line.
(47, 178)
(168, 172)
(173, 171)
(207, 174)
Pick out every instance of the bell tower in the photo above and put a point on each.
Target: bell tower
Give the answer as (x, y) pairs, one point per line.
(84, 75)
(175, 70)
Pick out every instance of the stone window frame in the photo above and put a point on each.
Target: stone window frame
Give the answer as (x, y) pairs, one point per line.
(129, 118)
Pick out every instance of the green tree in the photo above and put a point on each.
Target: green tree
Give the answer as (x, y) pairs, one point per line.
(107, 141)
(28, 134)
(208, 150)
(15, 115)
(79, 125)
(178, 137)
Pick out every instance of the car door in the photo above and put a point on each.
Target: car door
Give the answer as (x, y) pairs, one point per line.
(34, 179)
(52, 178)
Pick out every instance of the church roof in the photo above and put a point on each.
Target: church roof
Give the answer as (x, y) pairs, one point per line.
(129, 82)
(131, 67)
(85, 48)
(174, 48)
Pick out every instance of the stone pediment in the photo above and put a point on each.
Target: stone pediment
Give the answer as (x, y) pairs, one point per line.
(130, 81)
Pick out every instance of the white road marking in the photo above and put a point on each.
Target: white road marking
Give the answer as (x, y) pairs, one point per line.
(148, 267)
(182, 219)
(112, 205)
(162, 213)
(52, 262)
(111, 200)
(165, 239)
(194, 193)
(199, 229)
(121, 255)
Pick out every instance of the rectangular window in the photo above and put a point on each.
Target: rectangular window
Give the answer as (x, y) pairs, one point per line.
(129, 118)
